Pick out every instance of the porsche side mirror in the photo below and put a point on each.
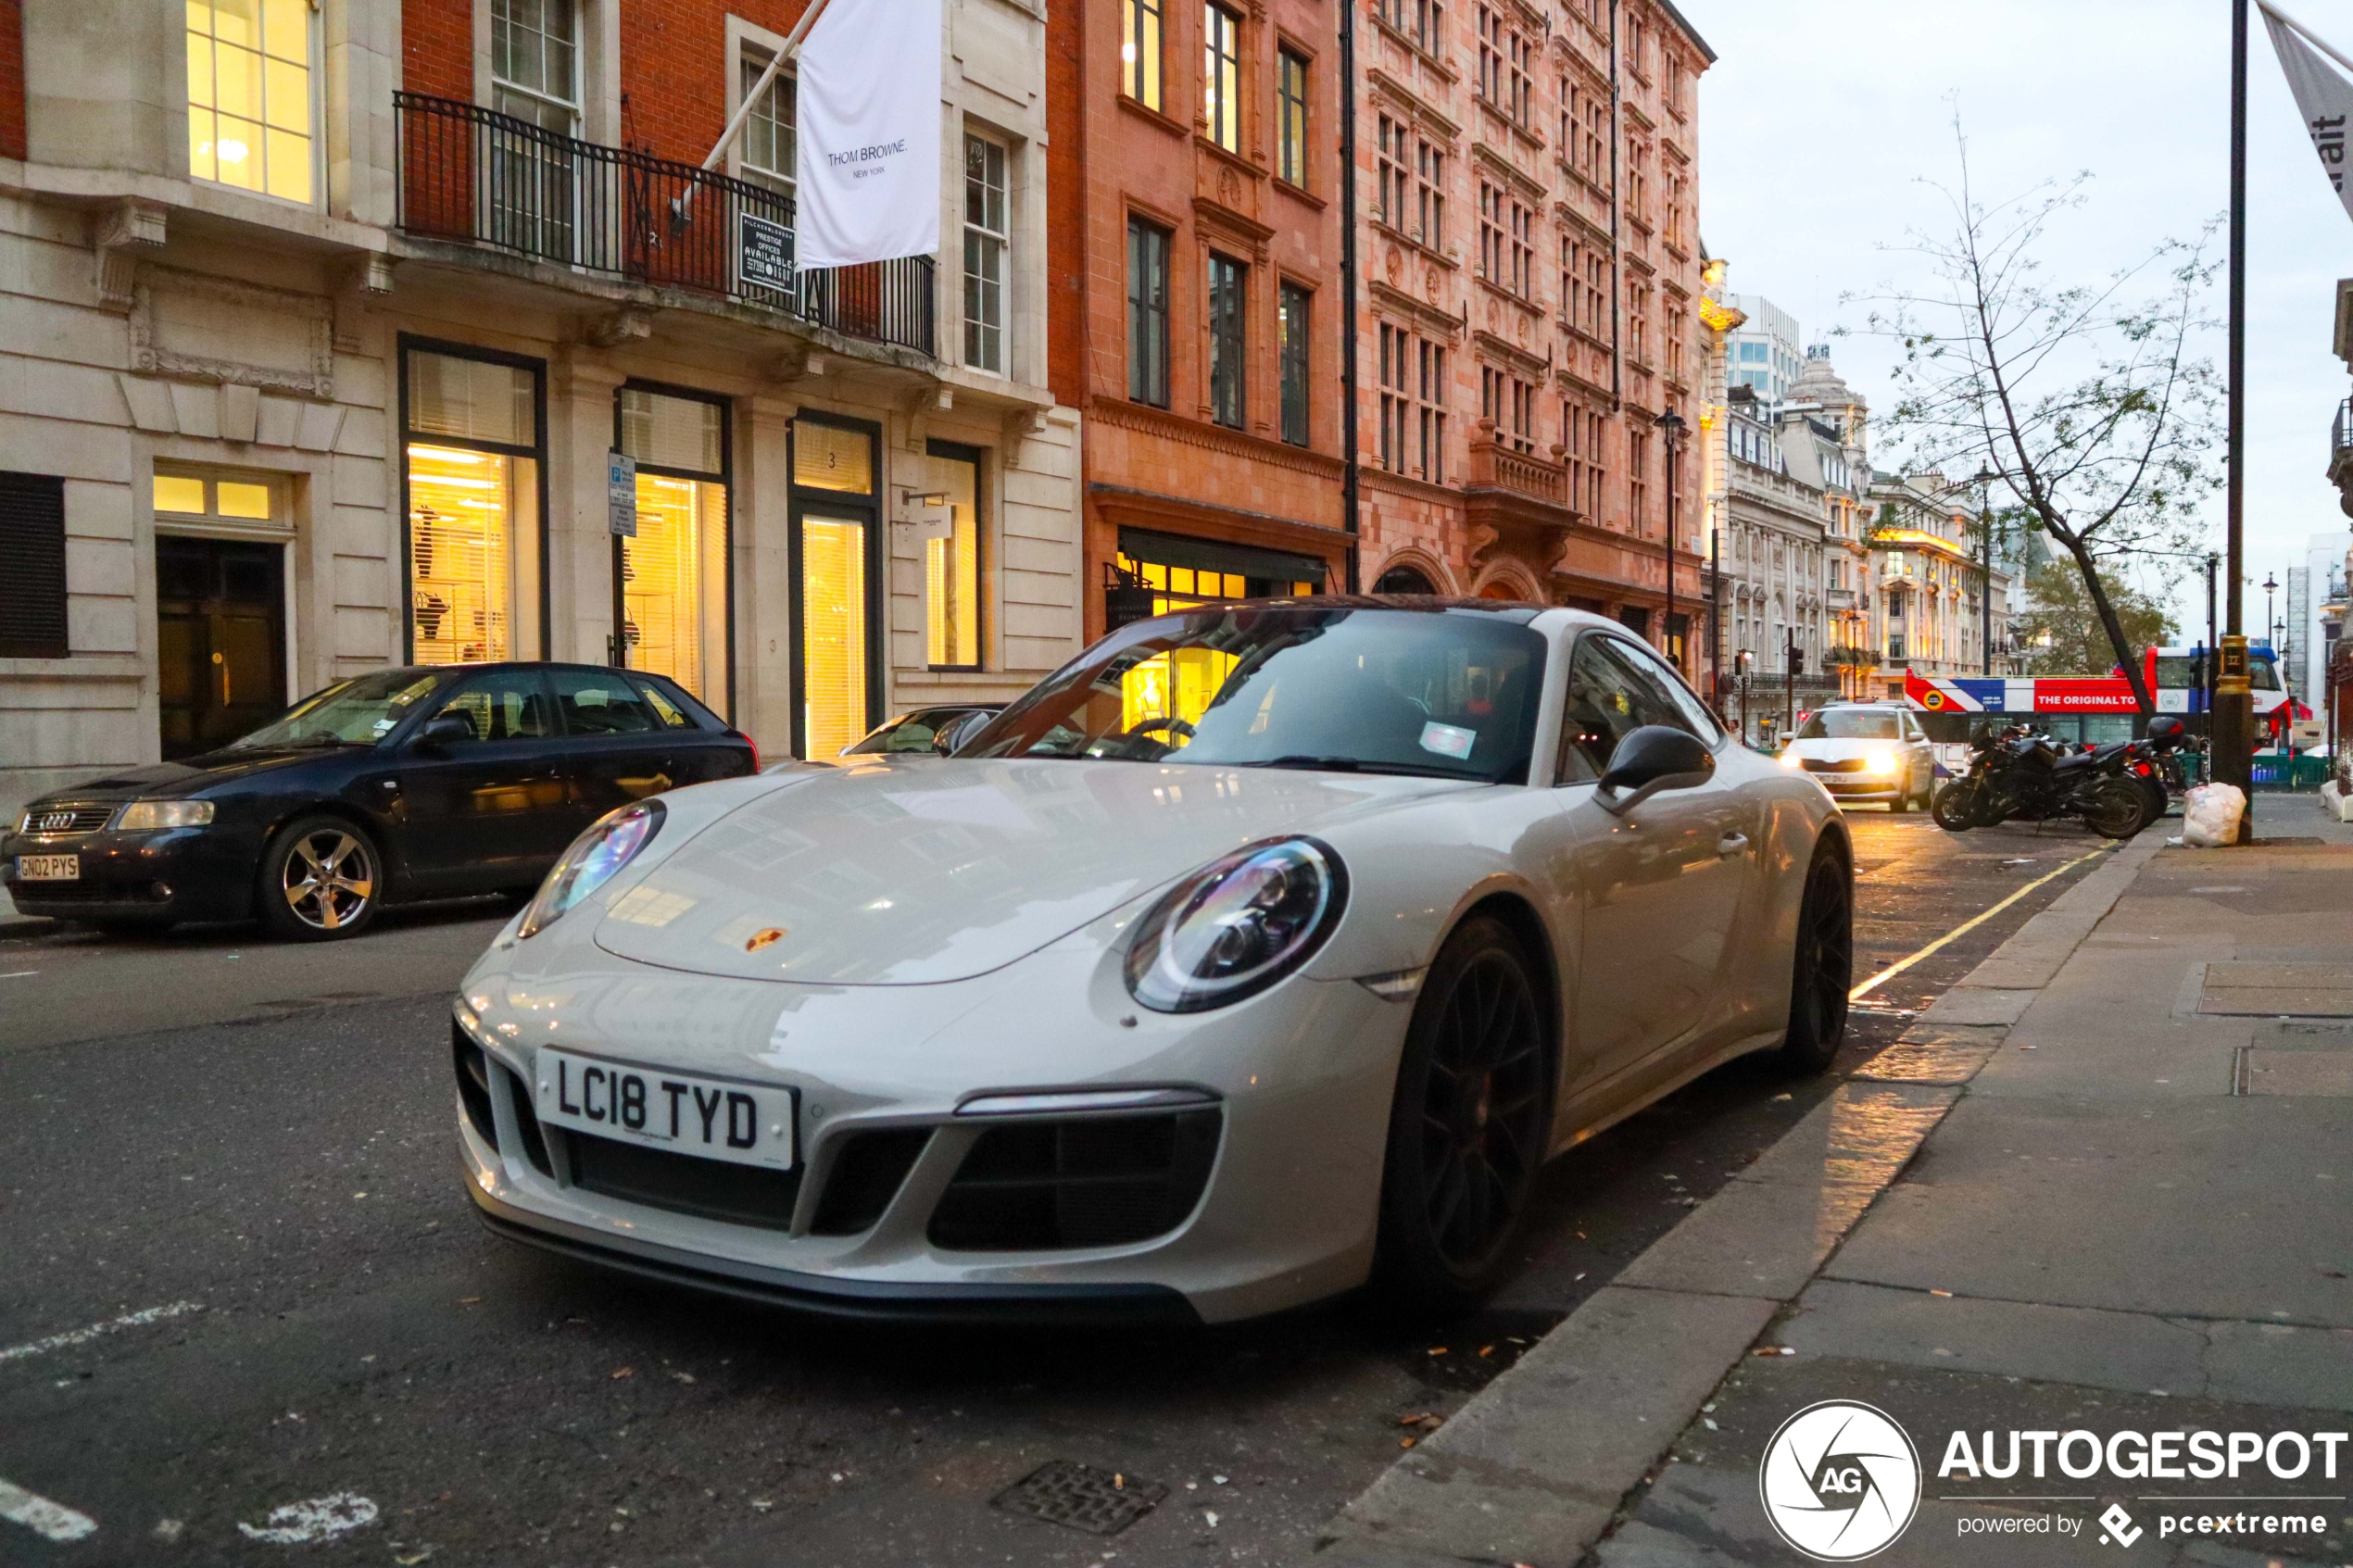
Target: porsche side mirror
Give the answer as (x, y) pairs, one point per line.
(951, 736)
(1653, 758)
(443, 728)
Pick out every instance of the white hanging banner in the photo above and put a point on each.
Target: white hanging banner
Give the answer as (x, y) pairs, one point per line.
(868, 155)
(2322, 94)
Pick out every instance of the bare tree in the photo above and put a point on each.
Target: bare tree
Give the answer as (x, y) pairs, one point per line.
(2083, 399)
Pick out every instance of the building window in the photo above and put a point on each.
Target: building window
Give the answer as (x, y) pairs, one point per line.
(472, 450)
(32, 566)
(1229, 389)
(1294, 310)
(1504, 60)
(1507, 241)
(1433, 390)
(952, 565)
(249, 104)
(1510, 403)
(670, 575)
(768, 150)
(1638, 474)
(1221, 75)
(1413, 404)
(534, 62)
(1412, 194)
(1139, 51)
(1418, 19)
(1291, 103)
(1147, 313)
(984, 234)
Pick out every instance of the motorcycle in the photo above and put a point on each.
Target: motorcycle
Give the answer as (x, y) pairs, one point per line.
(2033, 778)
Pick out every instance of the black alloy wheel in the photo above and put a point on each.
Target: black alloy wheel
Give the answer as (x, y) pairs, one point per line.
(1822, 969)
(321, 880)
(1955, 806)
(2118, 809)
(1468, 1126)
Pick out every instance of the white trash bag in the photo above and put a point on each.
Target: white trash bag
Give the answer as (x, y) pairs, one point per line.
(2211, 816)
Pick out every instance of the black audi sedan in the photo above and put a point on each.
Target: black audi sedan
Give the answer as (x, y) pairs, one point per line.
(399, 785)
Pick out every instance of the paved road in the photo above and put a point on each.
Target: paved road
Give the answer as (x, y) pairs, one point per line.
(251, 1145)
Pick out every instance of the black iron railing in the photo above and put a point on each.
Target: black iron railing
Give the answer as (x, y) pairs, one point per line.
(475, 176)
(2341, 432)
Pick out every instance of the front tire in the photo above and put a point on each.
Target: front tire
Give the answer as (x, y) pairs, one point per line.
(1955, 807)
(321, 880)
(1822, 969)
(1467, 1127)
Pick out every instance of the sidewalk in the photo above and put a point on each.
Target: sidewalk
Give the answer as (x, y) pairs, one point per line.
(2105, 1184)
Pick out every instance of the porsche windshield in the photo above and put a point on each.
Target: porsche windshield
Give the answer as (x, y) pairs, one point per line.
(1451, 694)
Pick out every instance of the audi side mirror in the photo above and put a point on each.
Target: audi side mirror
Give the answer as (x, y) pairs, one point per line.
(443, 728)
(1651, 759)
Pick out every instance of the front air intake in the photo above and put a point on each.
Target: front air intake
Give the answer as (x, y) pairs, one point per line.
(1055, 1184)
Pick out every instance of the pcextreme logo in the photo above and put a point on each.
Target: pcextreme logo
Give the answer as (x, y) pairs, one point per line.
(1840, 1480)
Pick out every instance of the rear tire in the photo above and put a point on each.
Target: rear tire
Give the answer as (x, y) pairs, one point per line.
(1955, 807)
(321, 880)
(2119, 809)
(1822, 969)
(1468, 1126)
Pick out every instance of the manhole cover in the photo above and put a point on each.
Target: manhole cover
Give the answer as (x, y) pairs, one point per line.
(1100, 1502)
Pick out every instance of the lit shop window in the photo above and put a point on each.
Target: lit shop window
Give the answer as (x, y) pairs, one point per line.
(951, 567)
(834, 507)
(249, 104)
(673, 572)
(471, 458)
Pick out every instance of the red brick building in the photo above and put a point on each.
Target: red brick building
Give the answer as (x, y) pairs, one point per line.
(1196, 316)
(1530, 251)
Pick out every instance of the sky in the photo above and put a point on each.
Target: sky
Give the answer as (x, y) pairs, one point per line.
(1822, 117)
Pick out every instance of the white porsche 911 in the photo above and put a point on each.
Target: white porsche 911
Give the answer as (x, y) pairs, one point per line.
(1263, 950)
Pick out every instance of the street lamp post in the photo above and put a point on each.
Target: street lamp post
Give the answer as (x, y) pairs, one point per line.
(2232, 724)
(1671, 430)
(1985, 478)
(2271, 586)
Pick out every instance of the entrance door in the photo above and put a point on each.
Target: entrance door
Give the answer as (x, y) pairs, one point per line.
(221, 640)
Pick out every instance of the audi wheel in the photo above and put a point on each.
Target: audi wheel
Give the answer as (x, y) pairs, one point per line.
(321, 880)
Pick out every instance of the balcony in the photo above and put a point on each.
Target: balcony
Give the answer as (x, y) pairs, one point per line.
(2341, 456)
(474, 176)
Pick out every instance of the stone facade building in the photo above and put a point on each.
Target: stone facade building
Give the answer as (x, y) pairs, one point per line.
(1197, 316)
(1529, 242)
(1928, 582)
(322, 320)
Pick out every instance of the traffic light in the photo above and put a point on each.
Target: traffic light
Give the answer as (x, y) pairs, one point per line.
(1796, 660)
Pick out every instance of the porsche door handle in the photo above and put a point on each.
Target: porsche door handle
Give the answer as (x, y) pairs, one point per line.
(1733, 844)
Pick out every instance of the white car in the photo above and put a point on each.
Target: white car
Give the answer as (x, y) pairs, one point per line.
(1262, 950)
(1867, 753)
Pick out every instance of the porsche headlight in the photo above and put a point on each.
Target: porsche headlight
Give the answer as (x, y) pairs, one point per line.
(149, 816)
(594, 857)
(1237, 925)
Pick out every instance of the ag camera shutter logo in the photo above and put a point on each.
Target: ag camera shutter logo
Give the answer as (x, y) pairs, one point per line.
(1840, 1480)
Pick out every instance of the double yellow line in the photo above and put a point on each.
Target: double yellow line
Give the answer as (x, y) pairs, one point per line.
(1900, 965)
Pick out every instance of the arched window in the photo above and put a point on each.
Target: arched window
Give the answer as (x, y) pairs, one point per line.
(1402, 580)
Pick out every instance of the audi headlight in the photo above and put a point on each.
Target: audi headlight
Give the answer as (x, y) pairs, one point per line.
(595, 859)
(149, 816)
(1237, 925)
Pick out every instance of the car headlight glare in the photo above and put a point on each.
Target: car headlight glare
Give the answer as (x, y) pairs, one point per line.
(595, 859)
(1883, 762)
(149, 816)
(1791, 760)
(1237, 925)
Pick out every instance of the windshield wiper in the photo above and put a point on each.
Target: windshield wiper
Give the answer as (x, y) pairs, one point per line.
(1358, 765)
(1331, 764)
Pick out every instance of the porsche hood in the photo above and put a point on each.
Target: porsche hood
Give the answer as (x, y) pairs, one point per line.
(918, 872)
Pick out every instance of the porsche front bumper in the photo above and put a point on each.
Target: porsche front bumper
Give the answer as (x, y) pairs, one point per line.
(957, 1220)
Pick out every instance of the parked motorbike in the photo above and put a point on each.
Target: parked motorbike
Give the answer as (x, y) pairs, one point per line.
(2033, 778)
